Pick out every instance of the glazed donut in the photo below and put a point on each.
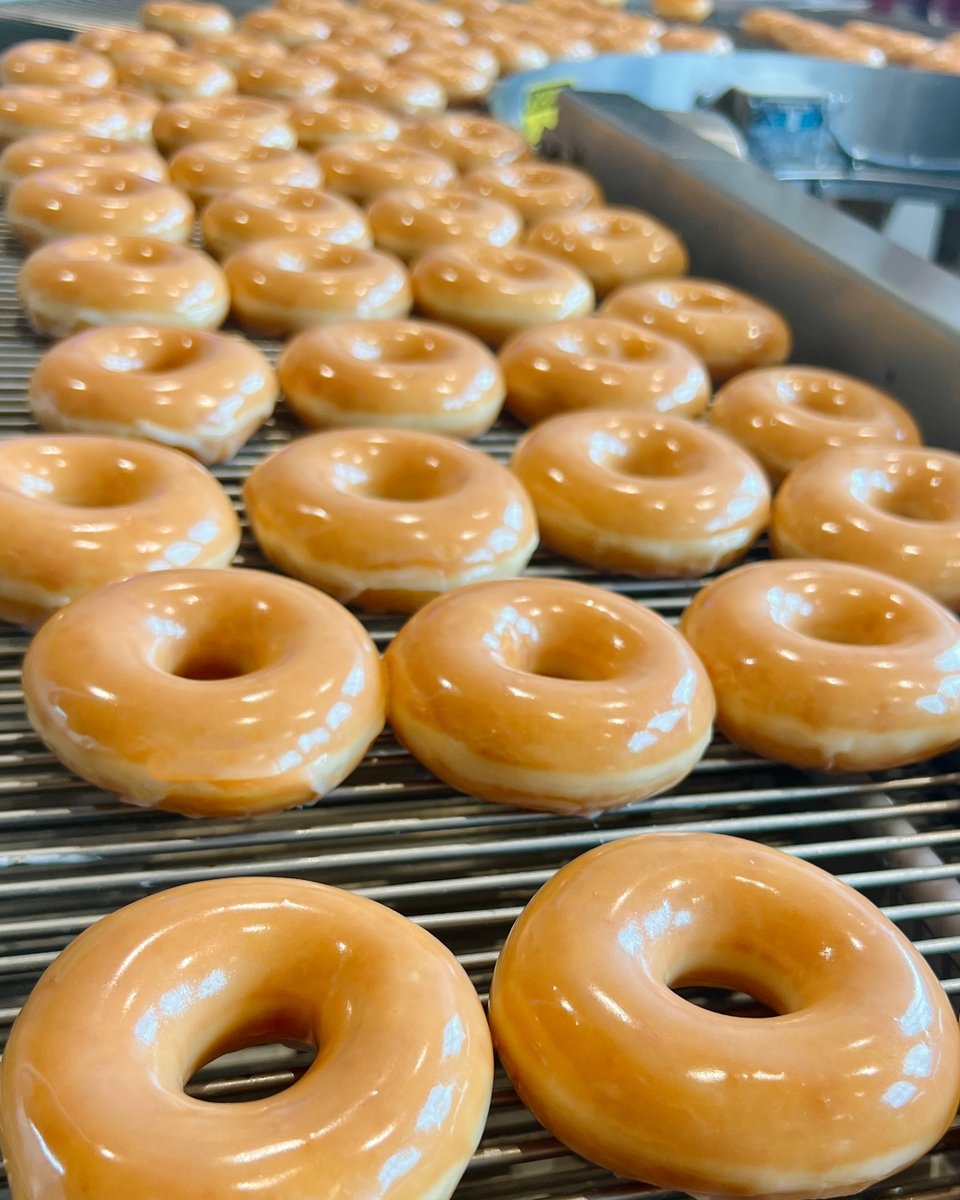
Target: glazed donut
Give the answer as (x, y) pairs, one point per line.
(627, 34)
(69, 200)
(409, 223)
(205, 393)
(81, 512)
(46, 151)
(402, 1098)
(469, 141)
(494, 291)
(282, 285)
(183, 21)
(897, 45)
(896, 509)
(728, 329)
(467, 73)
(385, 44)
(536, 189)
(411, 11)
(289, 29)
(693, 11)
(365, 170)
(793, 648)
(233, 50)
(239, 692)
(944, 59)
(56, 64)
(408, 374)
(408, 93)
(612, 246)
(601, 363)
(208, 169)
(784, 415)
(25, 111)
(176, 75)
(285, 79)
(113, 41)
(223, 119)
(253, 214)
(341, 59)
(564, 46)
(514, 54)
(699, 41)
(387, 519)
(866, 1062)
(642, 495)
(139, 110)
(552, 695)
(320, 123)
(102, 279)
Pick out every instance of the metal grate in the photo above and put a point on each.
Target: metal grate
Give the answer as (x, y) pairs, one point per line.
(461, 868)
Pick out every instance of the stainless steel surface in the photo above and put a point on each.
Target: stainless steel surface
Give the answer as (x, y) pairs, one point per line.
(459, 867)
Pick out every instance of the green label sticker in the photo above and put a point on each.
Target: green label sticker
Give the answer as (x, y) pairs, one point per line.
(541, 106)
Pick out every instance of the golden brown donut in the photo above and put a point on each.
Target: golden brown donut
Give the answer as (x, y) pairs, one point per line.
(783, 415)
(612, 246)
(692, 11)
(601, 363)
(728, 329)
(46, 151)
(699, 41)
(283, 285)
(117, 40)
(622, 33)
(233, 50)
(536, 189)
(252, 214)
(385, 43)
(208, 169)
(81, 512)
(102, 279)
(406, 11)
(494, 291)
(470, 141)
(402, 1098)
(365, 170)
(643, 495)
(514, 54)
(284, 79)
(408, 93)
(176, 75)
(564, 46)
(387, 519)
(205, 393)
(893, 508)
(342, 59)
(898, 45)
(863, 1058)
(68, 200)
(467, 73)
(552, 695)
(289, 29)
(25, 111)
(320, 122)
(56, 64)
(223, 119)
(392, 374)
(139, 109)
(794, 647)
(183, 21)
(410, 222)
(944, 59)
(240, 692)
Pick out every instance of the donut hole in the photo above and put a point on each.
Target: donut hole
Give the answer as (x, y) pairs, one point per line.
(404, 346)
(570, 663)
(155, 353)
(700, 300)
(209, 659)
(658, 454)
(390, 474)
(919, 496)
(736, 1001)
(79, 480)
(255, 1064)
(827, 399)
(851, 617)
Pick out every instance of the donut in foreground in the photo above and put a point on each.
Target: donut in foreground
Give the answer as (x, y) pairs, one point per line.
(829, 666)
(393, 1106)
(548, 694)
(856, 1076)
(209, 693)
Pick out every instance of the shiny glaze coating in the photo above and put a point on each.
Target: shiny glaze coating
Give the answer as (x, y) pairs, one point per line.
(208, 169)
(803, 36)
(102, 279)
(601, 363)
(898, 45)
(387, 44)
(251, 214)
(387, 519)
(284, 79)
(514, 54)
(896, 509)
(407, 93)
(139, 109)
(410, 374)
(205, 393)
(283, 285)
(856, 1077)
(692, 11)
(409, 222)
(365, 170)
(289, 29)
(470, 141)
(46, 151)
(612, 246)
(829, 666)
(116, 41)
(466, 73)
(208, 693)
(69, 200)
(176, 75)
(494, 292)
(320, 123)
(699, 41)
(392, 1107)
(627, 33)
(342, 59)
(644, 495)
(536, 189)
(56, 64)
(728, 329)
(185, 20)
(27, 110)
(223, 119)
(235, 49)
(548, 694)
(81, 512)
(784, 415)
